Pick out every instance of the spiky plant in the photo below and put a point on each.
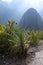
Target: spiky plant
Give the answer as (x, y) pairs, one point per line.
(34, 38)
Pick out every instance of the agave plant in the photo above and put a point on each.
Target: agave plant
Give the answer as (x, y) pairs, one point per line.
(3, 38)
(15, 40)
(12, 37)
(40, 33)
(34, 38)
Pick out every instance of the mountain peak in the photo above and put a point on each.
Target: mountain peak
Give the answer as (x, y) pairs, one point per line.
(31, 20)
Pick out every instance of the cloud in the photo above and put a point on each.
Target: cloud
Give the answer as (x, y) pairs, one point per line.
(25, 4)
(7, 1)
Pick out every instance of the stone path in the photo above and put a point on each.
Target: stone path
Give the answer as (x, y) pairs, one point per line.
(38, 59)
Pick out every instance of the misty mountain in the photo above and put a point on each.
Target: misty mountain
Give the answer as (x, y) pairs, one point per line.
(31, 20)
(7, 13)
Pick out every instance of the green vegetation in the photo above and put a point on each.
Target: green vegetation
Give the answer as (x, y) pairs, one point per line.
(40, 33)
(15, 41)
(34, 38)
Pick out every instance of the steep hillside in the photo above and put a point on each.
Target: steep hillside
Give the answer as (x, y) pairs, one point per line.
(31, 20)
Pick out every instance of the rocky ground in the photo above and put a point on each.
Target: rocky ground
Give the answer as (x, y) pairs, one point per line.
(38, 59)
(35, 57)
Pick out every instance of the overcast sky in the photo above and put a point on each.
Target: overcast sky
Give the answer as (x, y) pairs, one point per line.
(23, 5)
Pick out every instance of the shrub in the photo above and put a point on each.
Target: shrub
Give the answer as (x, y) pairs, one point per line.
(33, 37)
(40, 33)
(15, 40)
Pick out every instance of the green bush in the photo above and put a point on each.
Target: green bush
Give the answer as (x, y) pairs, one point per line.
(40, 33)
(33, 37)
(15, 40)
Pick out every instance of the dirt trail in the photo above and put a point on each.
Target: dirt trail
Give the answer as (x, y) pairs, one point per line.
(38, 59)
